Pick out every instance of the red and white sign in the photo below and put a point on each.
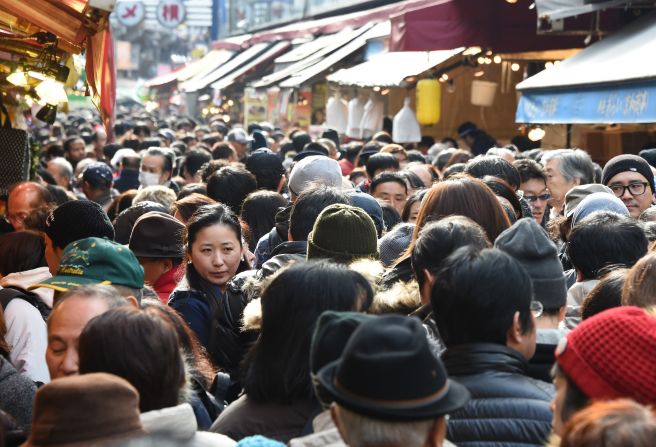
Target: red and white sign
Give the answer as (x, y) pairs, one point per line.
(170, 13)
(130, 13)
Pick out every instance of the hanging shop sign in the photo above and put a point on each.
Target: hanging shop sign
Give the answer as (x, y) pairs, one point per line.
(170, 13)
(130, 13)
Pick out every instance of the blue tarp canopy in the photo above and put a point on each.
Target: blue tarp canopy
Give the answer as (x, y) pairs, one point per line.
(612, 81)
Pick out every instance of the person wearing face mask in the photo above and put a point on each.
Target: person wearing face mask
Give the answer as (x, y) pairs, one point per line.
(157, 168)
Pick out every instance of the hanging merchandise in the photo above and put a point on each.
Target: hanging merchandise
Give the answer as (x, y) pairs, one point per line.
(406, 128)
(372, 118)
(483, 92)
(355, 112)
(429, 101)
(336, 113)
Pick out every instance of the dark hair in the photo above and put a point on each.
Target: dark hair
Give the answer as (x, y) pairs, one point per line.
(230, 185)
(316, 147)
(277, 368)
(192, 188)
(481, 167)
(223, 151)
(167, 154)
(473, 303)
(259, 214)
(381, 161)
(391, 216)
(371, 148)
(194, 159)
(309, 205)
(222, 343)
(530, 170)
(58, 194)
(442, 159)
(382, 137)
(355, 174)
(640, 284)
(501, 189)
(458, 156)
(385, 177)
(453, 170)
(21, 251)
(606, 294)
(463, 196)
(603, 239)
(138, 347)
(574, 400)
(69, 141)
(412, 180)
(352, 150)
(211, 167)
(186, 206)
(437, 240)
(418, 196)
(201, 367)
(121, 203)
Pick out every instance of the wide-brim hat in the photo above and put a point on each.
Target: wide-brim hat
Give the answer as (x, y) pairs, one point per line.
(390, 349)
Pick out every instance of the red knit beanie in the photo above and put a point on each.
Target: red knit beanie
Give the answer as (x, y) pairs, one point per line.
(613, 355)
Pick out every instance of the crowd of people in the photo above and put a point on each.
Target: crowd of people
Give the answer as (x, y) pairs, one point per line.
(205, 285)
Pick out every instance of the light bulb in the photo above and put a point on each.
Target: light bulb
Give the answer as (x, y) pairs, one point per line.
(497, 59)
(18, 78)
(536, 134)
(51, 91)
(514, 67)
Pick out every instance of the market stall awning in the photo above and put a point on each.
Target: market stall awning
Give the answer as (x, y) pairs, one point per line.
(211, 61)
(562, 9)
(612, 81)
(204, 79)
(313, 53)
(390, 69)
(260, 60)
(498, 25)
(319, 66)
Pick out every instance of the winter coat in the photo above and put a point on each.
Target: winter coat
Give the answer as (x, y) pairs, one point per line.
(17, 394)
(506, 407)
(179, 425)
(26, 331)
(219, 332)
(281, 256)
(539, 367)
(245, 417)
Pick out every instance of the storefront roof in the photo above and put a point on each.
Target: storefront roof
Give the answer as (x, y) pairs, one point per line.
(204, 79)
(263, 58)
(562, 9)
(390, 69)
(211, 61)
(322, 64)
(612, 81)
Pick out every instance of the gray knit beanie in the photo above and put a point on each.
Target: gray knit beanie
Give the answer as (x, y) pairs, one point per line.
(529, 244)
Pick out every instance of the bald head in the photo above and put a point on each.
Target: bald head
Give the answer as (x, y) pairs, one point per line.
(24, 198)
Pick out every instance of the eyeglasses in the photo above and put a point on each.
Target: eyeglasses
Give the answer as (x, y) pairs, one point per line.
(636, 189)
(541, 197)
(18, 217)
(537, 308)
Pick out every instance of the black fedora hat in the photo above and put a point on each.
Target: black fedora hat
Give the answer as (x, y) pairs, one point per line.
(388, 372)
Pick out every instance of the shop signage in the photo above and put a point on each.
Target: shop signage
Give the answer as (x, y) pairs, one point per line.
(170, 13)
(130, 13)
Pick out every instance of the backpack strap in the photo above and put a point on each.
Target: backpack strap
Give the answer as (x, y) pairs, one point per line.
(7, 294)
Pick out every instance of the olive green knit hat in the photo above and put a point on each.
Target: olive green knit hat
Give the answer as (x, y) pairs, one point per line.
(343, 233)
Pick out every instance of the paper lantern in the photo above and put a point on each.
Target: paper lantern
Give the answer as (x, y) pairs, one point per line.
(429, 101)
(406, 128)
(355, 112)
(372, 118)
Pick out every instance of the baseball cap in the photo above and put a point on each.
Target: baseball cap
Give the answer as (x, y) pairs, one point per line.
(95, 261)
(239, 135)
(98, 174)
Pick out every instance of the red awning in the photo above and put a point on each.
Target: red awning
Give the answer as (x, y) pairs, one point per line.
(494, 24)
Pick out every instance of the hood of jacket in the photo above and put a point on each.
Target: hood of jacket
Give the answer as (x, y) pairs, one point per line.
(29, 277)
(476, 358)
(176, 422)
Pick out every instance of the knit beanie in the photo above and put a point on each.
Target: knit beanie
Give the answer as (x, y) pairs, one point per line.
(611, 355)
(314, 169)
(75, 220)
(343, 233)
(627, 162)
(395, 243)
(370, 206)
(528, 243)
(258, 441)
(578, 193)
(599, 201)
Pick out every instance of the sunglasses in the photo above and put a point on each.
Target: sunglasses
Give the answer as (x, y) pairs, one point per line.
(541, 197)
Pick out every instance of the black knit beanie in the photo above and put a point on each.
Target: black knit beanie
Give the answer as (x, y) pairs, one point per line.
(75, 220)
(627, 162)
(343, 233)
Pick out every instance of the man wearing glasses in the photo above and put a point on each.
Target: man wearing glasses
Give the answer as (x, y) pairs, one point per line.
(24, 198)
(631, 179)
(534, 185)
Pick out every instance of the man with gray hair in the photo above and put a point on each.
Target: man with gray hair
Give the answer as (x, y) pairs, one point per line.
(157, 165)
(62, 171)
(566, 168)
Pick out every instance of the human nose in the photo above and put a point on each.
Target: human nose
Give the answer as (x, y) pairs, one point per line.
(217, 259)
(70, 362)
(626, 194)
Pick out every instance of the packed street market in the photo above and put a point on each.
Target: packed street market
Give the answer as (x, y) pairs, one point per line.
(313, 223)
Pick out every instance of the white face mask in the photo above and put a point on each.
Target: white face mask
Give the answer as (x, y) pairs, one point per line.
(148, 178)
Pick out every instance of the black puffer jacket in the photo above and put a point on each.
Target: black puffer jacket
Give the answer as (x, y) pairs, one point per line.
(507, 407)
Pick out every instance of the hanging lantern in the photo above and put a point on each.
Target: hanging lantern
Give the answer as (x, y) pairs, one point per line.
(336, 113)
(429, 101)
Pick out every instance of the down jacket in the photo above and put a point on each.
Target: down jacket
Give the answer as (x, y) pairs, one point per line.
(506, 407)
